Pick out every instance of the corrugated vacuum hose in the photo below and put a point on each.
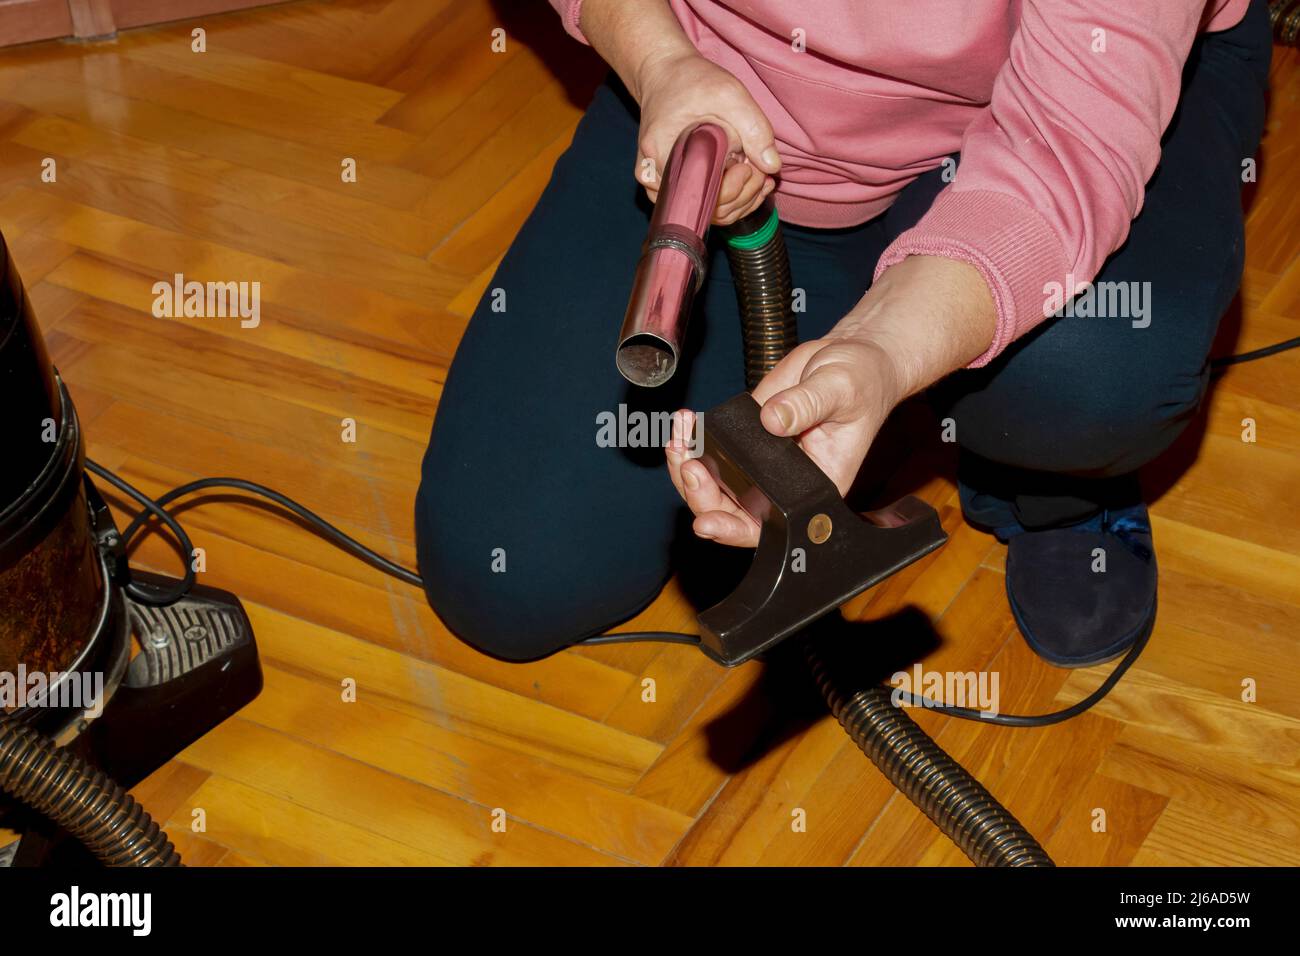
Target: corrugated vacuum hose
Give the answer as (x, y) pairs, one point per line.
(82, 800)
(940, 787)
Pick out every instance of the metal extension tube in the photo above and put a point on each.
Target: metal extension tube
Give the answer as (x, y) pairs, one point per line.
(673, 257)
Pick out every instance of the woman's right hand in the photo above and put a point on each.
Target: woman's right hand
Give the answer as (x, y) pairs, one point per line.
(683, 89)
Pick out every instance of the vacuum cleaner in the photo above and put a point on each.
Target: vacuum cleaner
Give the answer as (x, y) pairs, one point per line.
(105, 674)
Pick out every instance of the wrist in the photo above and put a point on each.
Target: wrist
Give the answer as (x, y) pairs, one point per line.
(882, 365)
(633, 36)
(663, 59)
(886, 377)
(877, 383)
(930, 315)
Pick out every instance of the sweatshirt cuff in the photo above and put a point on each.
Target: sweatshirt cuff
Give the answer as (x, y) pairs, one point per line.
(570, 11)
(1007, 240)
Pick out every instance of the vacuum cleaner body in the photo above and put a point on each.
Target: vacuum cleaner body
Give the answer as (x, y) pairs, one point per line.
(82, 664)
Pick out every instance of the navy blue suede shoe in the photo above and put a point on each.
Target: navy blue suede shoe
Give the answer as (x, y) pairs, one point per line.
(1080, 594)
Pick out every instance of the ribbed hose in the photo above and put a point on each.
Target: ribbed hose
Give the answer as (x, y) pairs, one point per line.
(940, 787)
(760, 269)
(1284, 15)
(80, 799)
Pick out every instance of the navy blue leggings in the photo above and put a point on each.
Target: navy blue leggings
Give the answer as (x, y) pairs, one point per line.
(532, 535)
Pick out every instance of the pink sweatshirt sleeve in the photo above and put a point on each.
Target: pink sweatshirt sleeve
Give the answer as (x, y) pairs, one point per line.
(569, 11)
(1054, 170)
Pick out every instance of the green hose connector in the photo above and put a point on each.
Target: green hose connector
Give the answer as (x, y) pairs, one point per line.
(759, 237)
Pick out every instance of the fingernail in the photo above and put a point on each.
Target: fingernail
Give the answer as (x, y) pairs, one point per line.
(691, 481)
(706, 537)
(771, 157)
(785, 415)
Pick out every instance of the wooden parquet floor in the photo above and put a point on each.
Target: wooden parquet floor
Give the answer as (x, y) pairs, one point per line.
(227, 165)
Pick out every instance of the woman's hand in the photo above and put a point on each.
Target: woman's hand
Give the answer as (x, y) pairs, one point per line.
(677, 88)
(832, 394)
(924, 317)
(681, 89)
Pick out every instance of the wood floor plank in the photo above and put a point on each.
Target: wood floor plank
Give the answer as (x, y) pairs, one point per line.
(478, 240)
(1205, 728)
(1184, 836)
(140, 240)
(477, 771)
(281, 832)
(311, 123)
(294, 85)
(1219, 790)
(505, 717)
(665, 694)
(337, 342)
(447, 70)
(334, 209)
(164, 792)
(1087, 838)
(455, 832)
(691, 769)
(246, 366)
(385, 183)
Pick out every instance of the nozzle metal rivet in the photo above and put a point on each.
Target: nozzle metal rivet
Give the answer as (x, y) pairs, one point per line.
(819, 528)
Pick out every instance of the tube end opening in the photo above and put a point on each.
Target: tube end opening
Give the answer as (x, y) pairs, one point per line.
(646, 360)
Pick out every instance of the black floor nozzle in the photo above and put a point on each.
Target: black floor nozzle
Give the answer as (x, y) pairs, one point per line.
(814, 552)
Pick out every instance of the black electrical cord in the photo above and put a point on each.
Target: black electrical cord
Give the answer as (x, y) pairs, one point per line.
(335, 536)
(1035, 720)
(633, 637)
(1251, 356)
(329, 532)
(156, 508)
(965, 713)
(332, 534)
(143, 593)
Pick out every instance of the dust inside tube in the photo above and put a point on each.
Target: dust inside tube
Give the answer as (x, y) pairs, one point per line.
(646, 360)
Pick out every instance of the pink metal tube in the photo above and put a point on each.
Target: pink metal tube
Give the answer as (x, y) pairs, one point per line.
(673, 257)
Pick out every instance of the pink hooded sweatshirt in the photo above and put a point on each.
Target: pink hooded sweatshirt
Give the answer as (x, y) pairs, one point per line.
(1056, 106)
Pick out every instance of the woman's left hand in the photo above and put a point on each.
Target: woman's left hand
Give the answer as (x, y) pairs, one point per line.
(831, 394)
(922, 318)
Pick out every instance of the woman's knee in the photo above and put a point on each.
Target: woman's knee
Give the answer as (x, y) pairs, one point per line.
(1090, 417)
(515, 585)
